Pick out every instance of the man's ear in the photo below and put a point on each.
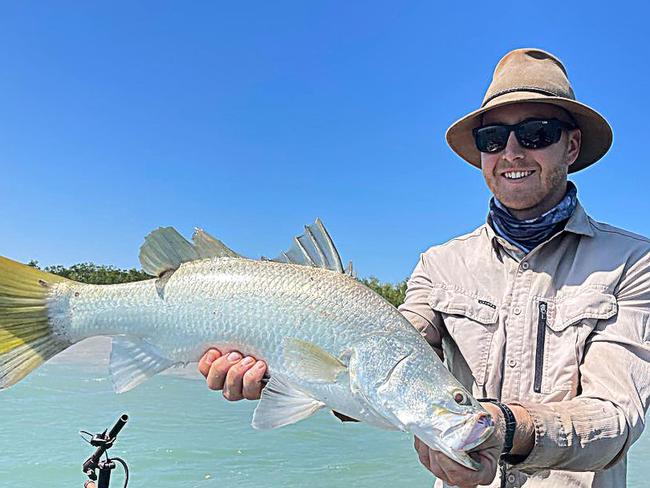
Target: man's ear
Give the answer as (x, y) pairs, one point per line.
(574, 142)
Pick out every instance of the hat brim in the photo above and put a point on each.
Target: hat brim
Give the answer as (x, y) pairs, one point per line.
(596, 132)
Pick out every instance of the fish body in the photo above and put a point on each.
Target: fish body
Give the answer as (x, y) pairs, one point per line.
(328, 340)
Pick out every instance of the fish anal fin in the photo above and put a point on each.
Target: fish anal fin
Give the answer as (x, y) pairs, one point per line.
(311, 362)
(283, 404)
(134, 361)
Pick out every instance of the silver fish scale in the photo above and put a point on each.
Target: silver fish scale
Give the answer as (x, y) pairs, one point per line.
(237, 303)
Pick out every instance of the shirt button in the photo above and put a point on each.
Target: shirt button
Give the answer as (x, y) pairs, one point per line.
(517, 310)
(525, 265)
(511, 478)
(512, 363)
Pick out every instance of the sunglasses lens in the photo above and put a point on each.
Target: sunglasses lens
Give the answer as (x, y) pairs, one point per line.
(537, 134)
(491, 139)
(531, 134)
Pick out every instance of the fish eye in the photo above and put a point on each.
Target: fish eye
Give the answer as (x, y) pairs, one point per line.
(461, 398)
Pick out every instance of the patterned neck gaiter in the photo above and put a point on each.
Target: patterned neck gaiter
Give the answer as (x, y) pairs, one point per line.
(528, 234)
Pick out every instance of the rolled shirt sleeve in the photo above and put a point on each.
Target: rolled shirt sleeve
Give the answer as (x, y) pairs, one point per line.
(594, 430)
(417, 308)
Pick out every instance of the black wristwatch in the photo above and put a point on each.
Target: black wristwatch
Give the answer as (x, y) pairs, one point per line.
(511, 424)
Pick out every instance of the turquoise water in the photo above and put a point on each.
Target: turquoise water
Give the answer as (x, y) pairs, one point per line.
(181, 434)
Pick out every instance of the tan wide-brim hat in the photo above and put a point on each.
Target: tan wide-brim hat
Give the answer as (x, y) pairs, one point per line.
(533, 75)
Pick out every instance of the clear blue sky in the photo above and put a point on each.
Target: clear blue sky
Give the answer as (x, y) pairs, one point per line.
(250, 119)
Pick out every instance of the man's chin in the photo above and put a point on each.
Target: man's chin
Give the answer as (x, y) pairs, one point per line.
(518, 205)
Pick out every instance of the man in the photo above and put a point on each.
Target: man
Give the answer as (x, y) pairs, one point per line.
(542, 308)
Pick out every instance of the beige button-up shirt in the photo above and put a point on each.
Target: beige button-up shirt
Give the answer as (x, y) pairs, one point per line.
(563, 331)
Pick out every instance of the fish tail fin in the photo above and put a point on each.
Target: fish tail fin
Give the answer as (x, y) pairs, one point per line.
(26, 336)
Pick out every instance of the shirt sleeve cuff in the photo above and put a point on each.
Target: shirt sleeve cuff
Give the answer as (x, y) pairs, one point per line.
(584, 436)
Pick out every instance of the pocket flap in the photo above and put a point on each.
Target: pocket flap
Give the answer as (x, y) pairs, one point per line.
(453, 301)
(586, 304)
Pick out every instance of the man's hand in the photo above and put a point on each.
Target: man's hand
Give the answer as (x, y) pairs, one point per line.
(239, 377)
(458, 475)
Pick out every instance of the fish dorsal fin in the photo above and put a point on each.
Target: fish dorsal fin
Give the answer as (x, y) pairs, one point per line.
(283, 404)
(311, 362)
(165, 249)
(134, 361)
(313, 248)
(209, 247)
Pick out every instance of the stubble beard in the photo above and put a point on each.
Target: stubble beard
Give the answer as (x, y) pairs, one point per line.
(549, 194)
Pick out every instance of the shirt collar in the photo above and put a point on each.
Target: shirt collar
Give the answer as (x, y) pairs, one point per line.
(578, 223)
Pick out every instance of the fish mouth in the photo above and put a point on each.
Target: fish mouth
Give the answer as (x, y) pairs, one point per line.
(470, 433)
(456, 441)
(482, 429)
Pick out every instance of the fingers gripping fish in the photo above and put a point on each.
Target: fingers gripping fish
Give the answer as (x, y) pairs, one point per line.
(328, 340)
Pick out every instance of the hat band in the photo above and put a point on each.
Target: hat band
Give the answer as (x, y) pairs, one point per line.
(528, 89)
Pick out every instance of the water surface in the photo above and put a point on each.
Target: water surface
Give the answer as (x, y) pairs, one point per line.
(182, 434)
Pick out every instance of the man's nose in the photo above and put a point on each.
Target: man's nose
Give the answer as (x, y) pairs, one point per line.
(513, 149)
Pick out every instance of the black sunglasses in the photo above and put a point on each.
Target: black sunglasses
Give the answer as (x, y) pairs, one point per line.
(531, 134)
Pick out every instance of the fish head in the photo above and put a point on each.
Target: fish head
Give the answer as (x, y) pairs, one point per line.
(452, 428)
(410, 388)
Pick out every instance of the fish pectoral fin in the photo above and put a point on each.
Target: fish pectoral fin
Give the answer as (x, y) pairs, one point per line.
(283, 404)
(134, 361)
(311, 362)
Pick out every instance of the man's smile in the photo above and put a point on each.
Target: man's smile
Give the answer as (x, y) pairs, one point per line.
(517, 175)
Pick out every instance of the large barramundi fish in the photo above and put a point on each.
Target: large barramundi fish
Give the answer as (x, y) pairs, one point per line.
(329, 341)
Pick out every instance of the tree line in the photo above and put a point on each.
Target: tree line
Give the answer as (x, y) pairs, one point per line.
(99, 274)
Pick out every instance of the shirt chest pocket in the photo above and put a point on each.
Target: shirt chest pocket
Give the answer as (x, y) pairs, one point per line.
(563, 325)
(471, 322)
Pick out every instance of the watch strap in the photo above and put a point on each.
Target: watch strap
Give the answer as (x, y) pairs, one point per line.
(510, 421)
